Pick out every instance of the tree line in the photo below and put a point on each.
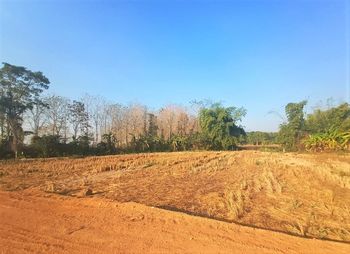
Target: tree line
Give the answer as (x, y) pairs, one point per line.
(34, 124)
(322, 130)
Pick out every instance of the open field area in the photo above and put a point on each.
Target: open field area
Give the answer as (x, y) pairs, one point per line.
(33, 222)
(301, 194)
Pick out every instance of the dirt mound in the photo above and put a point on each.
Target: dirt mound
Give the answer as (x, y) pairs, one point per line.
(35, 222)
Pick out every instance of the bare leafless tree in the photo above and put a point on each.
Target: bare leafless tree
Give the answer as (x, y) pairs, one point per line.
(57, 115)
(36, 118)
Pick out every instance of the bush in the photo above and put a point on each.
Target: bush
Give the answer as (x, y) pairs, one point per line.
(5, 151)
(332, 140)
(45, 146)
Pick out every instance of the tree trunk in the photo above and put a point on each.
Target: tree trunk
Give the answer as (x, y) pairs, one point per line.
(12, 123)
(96, 132)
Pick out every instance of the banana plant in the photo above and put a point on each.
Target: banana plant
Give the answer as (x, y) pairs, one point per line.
(332, 140)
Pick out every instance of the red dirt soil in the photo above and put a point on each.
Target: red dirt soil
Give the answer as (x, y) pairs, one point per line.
(35, 222)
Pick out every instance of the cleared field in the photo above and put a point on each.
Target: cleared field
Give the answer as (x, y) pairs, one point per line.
(301, 194)
(33, 222)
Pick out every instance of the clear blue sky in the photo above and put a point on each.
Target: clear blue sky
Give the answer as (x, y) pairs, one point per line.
(257, 54)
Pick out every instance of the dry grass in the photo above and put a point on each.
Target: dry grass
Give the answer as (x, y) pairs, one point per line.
(303, 194)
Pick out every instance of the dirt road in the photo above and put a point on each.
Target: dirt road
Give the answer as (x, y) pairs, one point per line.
(35, 222)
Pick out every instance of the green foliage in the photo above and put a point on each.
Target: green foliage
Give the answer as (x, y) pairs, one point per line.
(323, 130)
(20, 90)
(83, 144)
(321, 121)
(215, 128)
(180, 143)
(148, 143)
(5, 151)
(219, 125)
(291, 133)
(152, 126)
(332, 140)
(108, 144)
(261, 138)
(200, 141)
(329, 129)
(46, 146)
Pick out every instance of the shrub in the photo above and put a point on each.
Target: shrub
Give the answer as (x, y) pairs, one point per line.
(332, 140)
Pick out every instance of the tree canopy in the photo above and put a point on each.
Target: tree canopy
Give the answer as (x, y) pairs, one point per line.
(333, 118)
(291, 132)
(20, 90)
(323, 129)
(221, 125)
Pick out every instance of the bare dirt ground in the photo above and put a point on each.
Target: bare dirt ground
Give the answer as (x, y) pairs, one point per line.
(300, 194)
(35, 222)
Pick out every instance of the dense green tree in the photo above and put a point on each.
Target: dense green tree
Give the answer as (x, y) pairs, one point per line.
(46, 146)
(220, 125)
(108, 144)
(152, 128)
(292, 131)
(180, 143)
(20, 90)
(260, 138)
(322, 121)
